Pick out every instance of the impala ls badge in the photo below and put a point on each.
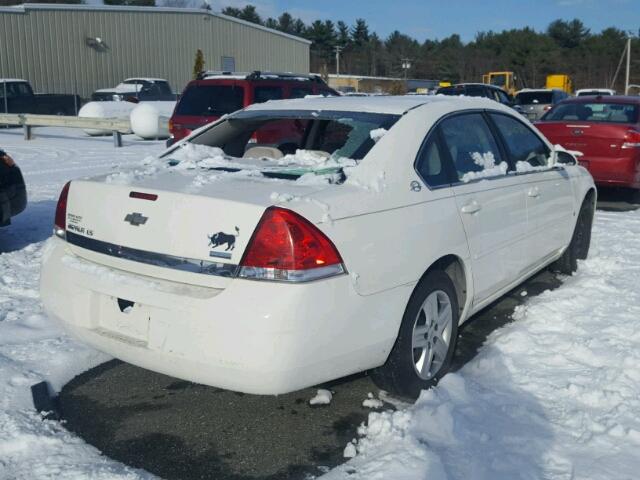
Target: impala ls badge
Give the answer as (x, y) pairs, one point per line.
(136, 219)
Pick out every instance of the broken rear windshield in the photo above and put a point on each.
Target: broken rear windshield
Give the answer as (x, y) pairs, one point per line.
(304, 141)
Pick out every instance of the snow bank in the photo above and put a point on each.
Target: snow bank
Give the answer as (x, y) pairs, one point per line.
(32, 347)
(322, 397)
(555, 394)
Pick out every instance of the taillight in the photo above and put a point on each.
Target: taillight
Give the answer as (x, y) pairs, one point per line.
(178, 130)
(631, 139)
(287, 247)
(60, 222)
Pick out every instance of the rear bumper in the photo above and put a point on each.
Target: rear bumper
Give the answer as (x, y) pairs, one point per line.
(253, 337)
(13, 196)
(614, 172)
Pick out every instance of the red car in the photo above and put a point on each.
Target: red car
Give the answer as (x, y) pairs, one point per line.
(218, 93)
(606, 129)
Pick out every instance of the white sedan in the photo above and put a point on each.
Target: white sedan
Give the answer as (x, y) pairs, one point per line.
(299, 241)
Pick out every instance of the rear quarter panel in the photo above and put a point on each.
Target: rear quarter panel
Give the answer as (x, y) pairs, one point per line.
(388, 234)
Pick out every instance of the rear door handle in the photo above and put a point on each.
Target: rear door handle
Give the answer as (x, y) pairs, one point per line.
(471, 207)
(533, 192)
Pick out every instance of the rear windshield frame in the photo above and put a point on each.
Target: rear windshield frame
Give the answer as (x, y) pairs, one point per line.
(530, 96)
(548, 117)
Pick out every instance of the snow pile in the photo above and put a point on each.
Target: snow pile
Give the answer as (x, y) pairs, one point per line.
(489, 168)
(377, 134)
(322, 397)
(32, 346)
(522, 167)
(372, 402)
(555, 394)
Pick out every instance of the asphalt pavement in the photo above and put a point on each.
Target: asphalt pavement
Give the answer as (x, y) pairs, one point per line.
(180, 430)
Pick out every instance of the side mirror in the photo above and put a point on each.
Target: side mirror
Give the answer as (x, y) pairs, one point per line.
(565, 158)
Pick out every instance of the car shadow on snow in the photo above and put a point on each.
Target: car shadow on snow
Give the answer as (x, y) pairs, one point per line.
(33, 225)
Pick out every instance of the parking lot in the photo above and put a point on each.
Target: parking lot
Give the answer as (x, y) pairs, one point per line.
(180, 430)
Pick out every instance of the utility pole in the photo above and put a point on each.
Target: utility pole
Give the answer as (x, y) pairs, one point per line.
(338, 49)
(626, 81)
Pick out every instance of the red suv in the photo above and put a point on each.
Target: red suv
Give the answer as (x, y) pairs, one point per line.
(606, 129)
(215, 94)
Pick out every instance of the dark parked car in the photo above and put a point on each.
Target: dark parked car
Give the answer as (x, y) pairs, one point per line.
(533, 103)
(16, 96)
(606, 129)
(477, 90)
(13, 194)
(218, 93)
(140, 89)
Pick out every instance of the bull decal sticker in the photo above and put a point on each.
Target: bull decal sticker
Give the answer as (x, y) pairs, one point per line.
(220, 239)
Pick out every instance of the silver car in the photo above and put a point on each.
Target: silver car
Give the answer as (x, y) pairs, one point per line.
(534, 103)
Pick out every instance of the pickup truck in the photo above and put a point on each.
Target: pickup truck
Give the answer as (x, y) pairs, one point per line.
(16, 96)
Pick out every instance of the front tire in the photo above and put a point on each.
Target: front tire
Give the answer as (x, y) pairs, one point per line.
(426, 340)
(578, 249)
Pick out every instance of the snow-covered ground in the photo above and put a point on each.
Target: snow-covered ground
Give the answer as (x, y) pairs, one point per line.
(553, 395)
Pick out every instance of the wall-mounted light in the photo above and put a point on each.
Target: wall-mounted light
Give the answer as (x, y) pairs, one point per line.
(96, 43)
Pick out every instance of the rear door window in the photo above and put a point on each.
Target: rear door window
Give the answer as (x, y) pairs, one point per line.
(210, 100)
(522, 144)
(503, 97)
(263, 94)
(432, 163)
(475, 91)
(300, 92)
(472, 147)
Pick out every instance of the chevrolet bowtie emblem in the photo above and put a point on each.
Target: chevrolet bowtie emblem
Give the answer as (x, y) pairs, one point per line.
(136, 219)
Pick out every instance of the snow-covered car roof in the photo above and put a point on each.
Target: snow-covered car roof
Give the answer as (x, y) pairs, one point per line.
(378, 104)
(121, 88)
(7, 80)
(145, 79)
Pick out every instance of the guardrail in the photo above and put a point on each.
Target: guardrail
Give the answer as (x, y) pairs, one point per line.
(27, 120)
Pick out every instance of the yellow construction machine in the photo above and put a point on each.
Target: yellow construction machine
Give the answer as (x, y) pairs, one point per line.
(504, 80)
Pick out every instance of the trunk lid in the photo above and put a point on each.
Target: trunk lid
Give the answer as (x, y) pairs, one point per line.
(597, 141)
(189, 221)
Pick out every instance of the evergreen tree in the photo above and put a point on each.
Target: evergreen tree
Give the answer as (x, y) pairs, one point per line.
(248, 13)
(198, 64)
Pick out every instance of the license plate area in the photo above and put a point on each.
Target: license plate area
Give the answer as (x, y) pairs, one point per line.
(124, 317)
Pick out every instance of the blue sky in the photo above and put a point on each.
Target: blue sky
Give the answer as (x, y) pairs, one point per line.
(440, 18)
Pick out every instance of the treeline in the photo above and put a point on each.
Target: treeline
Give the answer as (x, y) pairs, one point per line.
(564, 47)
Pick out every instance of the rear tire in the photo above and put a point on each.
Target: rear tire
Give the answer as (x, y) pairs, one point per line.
(578, 249)
(426, 340)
